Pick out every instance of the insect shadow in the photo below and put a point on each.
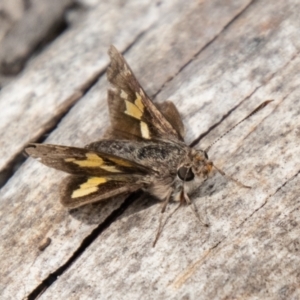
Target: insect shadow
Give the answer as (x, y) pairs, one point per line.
(99, 212)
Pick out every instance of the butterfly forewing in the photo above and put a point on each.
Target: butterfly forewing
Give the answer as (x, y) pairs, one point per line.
(131, 110)
(81, 161)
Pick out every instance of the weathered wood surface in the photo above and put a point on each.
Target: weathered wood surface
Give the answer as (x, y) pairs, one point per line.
(57, 79)
(216, 62)
(40, 20)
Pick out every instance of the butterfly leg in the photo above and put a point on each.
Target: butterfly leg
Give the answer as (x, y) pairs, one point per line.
(186, 199)
(165, 203)
(161, 224)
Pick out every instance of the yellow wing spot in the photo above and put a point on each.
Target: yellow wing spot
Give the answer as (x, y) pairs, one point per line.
(120, 162)
(95, 157)
(93, 181)
(132, 110)
(93, 160)
(123, 95)
(89, 187)
(110, 169)
(135, 109)
(145, 130)
(84, 192)
(138, 102)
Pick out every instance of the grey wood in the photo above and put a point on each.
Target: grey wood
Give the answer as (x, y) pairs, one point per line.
(216, 75)
(56, 79)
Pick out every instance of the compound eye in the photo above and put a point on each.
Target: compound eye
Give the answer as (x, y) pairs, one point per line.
(185, 174)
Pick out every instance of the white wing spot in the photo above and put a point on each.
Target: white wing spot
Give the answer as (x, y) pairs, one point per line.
(145, 130)
(126, 70)
(124, 95)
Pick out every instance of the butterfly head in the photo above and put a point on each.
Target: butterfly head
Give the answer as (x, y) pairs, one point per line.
(192, 172)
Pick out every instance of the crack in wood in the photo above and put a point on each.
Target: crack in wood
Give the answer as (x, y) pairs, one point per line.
(202, 49)
(87, 241)
(267, 199)
(202, 135)
(19, 158)
(181, 279)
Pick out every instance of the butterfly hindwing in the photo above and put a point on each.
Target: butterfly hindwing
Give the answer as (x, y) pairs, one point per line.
(170, 112)
(131, 110)
(80, 190)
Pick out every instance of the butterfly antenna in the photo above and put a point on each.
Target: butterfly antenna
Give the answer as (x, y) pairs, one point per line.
(231, 178)
(196, 212)
(257, 109)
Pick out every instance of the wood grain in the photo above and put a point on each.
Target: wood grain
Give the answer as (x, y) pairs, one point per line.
(217, 62)
(38, 23)
(55, 80)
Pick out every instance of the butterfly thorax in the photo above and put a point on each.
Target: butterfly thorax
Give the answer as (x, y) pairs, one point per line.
(162, 157)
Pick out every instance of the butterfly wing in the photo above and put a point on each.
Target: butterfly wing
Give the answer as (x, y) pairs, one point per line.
(131, 110)
(82, 161)
(98, 175)
(80, 190)
(170, 112)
